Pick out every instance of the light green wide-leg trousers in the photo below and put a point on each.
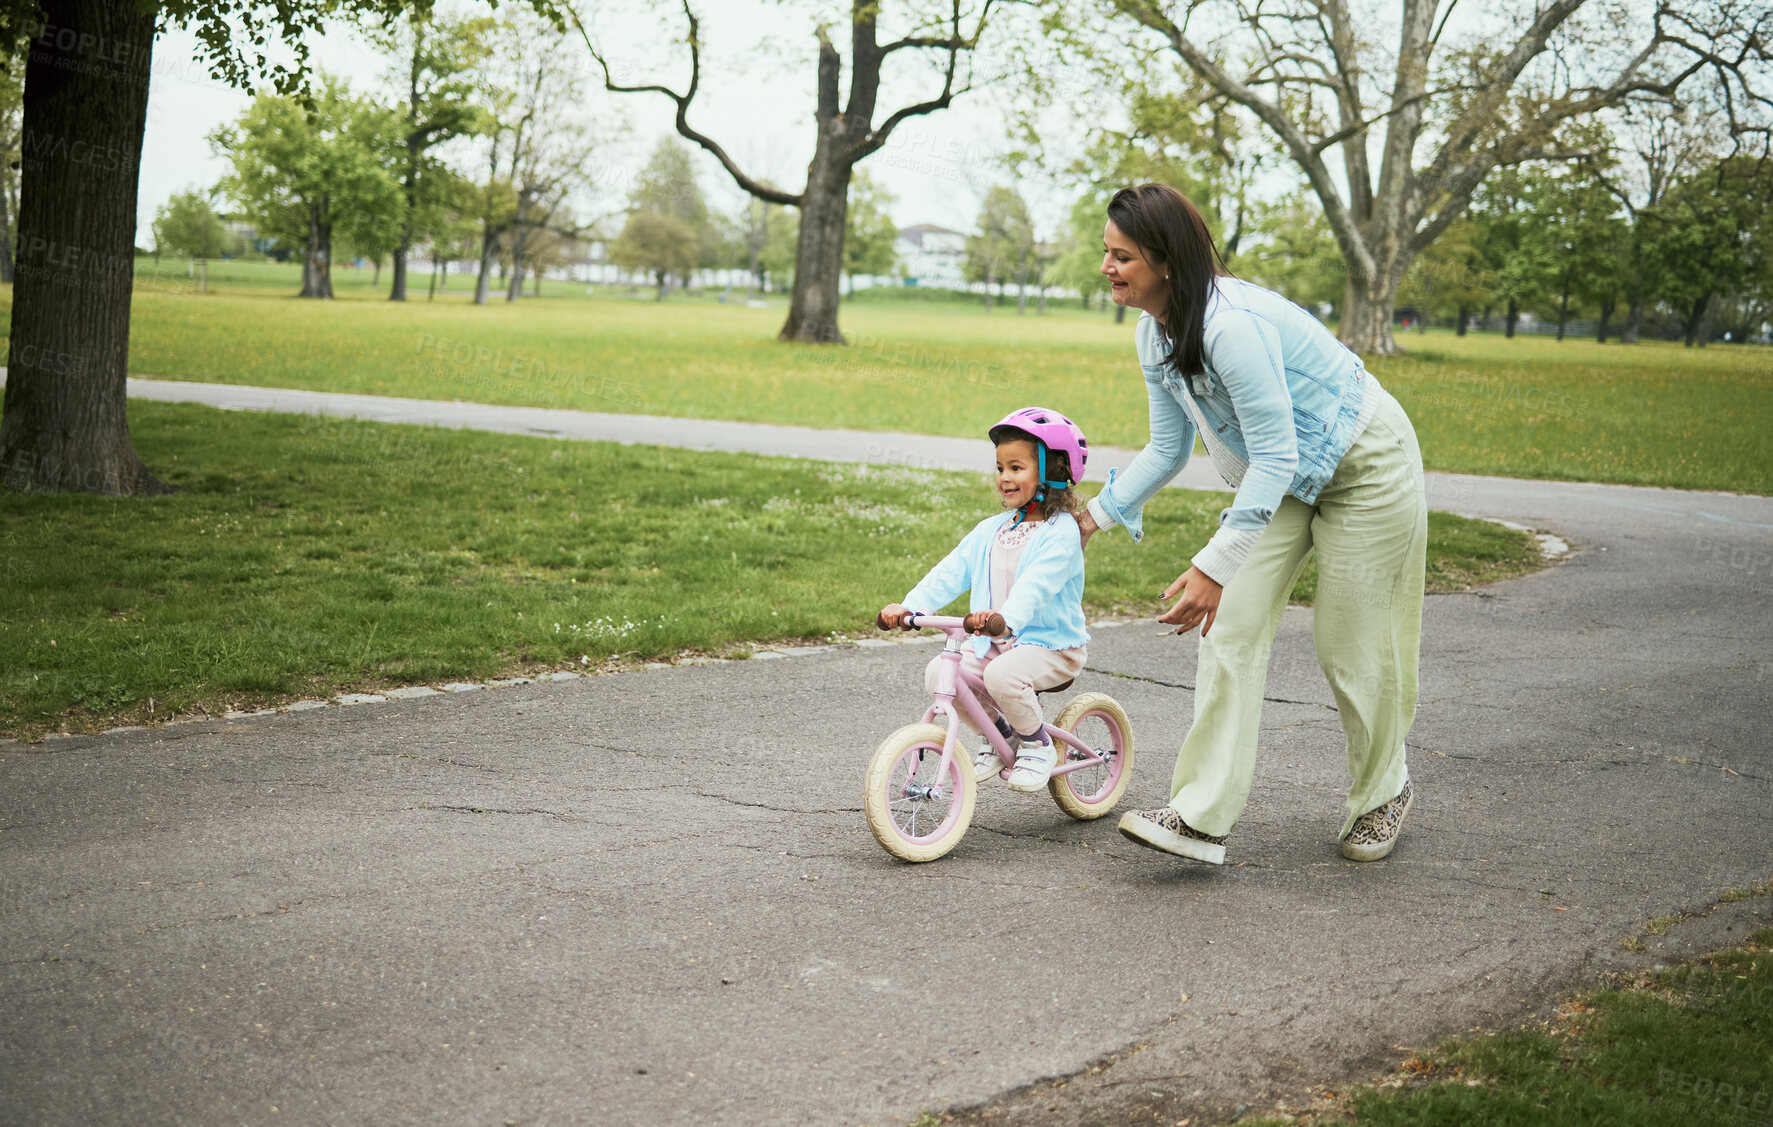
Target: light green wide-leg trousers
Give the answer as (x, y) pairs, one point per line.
(1370, 530)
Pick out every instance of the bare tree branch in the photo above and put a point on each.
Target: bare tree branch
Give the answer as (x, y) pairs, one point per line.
(954, 44)
(755, 187)
(1342, 224)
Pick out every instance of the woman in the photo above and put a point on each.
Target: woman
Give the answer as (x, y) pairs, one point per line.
(1320, 457)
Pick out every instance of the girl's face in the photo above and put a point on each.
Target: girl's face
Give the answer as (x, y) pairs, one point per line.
(1018, 472)
(1135, 282)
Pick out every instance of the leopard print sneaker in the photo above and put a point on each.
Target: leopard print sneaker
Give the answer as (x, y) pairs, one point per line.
(1163, 829)
(1375, 832)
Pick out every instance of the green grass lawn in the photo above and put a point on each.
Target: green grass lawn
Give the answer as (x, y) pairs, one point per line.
(304, 557)
(1653, 414)
(1692, 1044)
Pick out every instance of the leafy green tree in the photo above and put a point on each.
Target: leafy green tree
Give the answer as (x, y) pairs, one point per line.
(657, 241)
(870, 234)
(779, 257)
(550, 146)
(1579, 219)
(1449, 276)
(1707, 237)
(1395, 126)
(1186, 139)
(1004, 242)
(1513, 242)
(757, 239)
(304, 177)
(667, 185)
(1078, 262)
(437, 70)
(1292, 251)
(187, 225)
(87, 66)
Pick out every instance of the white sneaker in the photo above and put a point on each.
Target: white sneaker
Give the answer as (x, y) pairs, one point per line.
(1034, 766)
(987, 764)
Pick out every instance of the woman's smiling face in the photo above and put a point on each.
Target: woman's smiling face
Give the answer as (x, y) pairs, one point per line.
(1135, 281)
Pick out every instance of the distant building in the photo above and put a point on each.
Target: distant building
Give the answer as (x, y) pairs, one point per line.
(932, 256)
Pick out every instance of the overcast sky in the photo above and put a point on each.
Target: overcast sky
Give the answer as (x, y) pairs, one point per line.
(756, 100)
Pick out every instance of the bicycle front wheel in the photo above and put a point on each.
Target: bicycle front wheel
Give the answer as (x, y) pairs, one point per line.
(915, 810)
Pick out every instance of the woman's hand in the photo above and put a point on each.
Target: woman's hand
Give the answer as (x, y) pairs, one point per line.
(1197, 606)
(1086, 527)
(893, 615)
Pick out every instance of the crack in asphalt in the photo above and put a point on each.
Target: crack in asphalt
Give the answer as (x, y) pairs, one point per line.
(495, 810)
(777, 809)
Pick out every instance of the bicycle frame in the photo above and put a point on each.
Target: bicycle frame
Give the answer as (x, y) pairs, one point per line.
(956, 688)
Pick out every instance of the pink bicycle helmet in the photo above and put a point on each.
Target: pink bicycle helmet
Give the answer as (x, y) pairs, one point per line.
(1050, 431)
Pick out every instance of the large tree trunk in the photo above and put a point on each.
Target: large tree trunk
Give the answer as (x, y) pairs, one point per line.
(1366, 319)
(1513, 315)
(317, 261)
(65, 426)
(519, 244)
(818, 256)
(397, 291)
(1634, 317)
(1695, 319)
(1464, 320)
(482, 283)
(1600, 334)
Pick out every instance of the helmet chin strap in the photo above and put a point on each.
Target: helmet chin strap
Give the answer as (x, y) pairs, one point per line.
(1040, 493)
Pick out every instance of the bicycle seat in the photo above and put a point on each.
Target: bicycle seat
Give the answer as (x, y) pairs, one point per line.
(1059, 688)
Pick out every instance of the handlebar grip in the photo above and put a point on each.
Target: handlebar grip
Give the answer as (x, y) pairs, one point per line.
(989, 623)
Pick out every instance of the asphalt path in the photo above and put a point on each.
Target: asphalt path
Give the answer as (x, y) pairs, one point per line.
(650, 898)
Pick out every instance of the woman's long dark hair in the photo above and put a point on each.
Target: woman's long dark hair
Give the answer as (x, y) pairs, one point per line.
(1168, 229)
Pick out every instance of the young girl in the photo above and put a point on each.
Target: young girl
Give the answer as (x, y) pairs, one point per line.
(1027, 565)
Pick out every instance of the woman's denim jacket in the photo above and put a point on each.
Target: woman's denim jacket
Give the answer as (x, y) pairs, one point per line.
(1282, 397)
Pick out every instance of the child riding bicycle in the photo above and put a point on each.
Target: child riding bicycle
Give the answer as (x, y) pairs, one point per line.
(1027, 565)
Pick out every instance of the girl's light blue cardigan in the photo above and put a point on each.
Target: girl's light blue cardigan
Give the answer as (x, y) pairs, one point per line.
(1045, 607)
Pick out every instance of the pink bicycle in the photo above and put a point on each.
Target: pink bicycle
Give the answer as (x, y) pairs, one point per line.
(920, 789)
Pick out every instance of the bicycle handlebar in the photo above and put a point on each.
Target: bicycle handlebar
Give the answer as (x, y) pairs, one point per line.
(994, 626)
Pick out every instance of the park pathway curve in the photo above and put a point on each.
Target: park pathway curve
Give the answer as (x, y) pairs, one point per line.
(650, 898)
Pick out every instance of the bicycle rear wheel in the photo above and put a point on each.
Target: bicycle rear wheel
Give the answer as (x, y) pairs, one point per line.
(1099, 721)
(913, 813)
